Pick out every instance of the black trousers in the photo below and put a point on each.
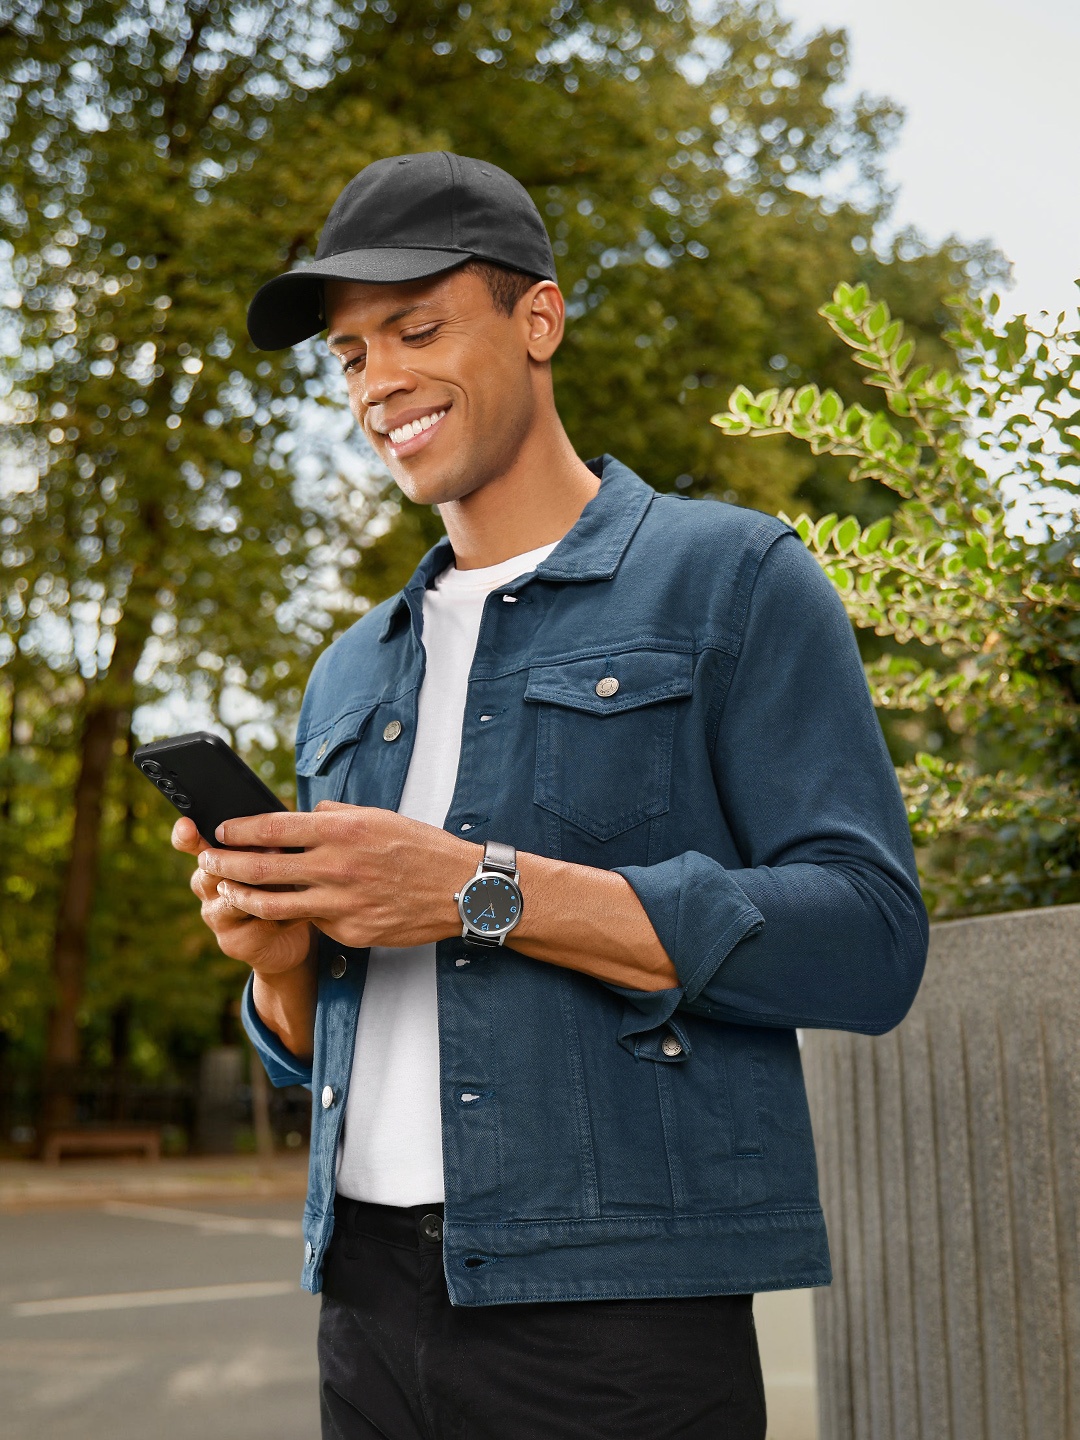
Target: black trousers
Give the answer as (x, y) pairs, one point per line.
(398, 1362)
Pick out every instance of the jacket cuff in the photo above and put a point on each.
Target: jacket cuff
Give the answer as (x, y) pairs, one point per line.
(699, 912)
(281, 1065)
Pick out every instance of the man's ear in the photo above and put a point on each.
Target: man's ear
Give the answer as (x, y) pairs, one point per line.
(544, 310)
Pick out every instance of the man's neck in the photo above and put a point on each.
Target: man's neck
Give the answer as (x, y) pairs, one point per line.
(533, 503)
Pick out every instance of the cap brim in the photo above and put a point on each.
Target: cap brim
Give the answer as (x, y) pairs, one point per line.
(288, 308)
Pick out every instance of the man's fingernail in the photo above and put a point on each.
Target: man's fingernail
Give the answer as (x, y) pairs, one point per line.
(218, 835)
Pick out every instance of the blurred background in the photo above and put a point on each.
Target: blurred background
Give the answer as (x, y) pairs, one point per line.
(185, 523)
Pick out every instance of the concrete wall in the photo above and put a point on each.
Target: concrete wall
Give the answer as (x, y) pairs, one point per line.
(950, 1171)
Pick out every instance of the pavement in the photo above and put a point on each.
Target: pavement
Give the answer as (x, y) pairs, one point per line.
(126, 1319)
(29, 1184)
(141, 1299)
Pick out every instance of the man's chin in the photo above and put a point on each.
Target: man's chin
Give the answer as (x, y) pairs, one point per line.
(437, 488)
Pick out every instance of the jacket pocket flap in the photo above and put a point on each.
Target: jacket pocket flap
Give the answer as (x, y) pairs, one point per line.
(315, 754)
(608, 684)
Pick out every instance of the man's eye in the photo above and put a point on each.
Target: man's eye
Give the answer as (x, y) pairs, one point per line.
(421, 334)
(353, 364)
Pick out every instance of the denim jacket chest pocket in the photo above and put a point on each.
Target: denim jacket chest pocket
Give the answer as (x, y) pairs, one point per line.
(605, 730)
(325, 757)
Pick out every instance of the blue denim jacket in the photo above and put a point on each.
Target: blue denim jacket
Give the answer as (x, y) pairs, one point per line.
(739, 780)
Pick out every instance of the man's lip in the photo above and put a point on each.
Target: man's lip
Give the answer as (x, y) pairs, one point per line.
(415, 442)
(383, 427)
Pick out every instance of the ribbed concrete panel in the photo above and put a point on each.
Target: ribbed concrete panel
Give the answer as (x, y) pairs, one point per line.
(950, 1174)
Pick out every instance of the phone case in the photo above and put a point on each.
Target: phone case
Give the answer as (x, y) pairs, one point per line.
(205, 779)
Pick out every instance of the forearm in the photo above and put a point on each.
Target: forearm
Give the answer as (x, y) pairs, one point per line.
(371, 877)
(588, 920)
(285, 1003)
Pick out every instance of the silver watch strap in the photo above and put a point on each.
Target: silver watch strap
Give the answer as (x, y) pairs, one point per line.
(498, 856)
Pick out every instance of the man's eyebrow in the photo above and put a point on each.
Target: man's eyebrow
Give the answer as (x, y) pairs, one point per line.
(391, 319)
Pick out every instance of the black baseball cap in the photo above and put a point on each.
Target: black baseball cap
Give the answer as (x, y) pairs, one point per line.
(401, 219)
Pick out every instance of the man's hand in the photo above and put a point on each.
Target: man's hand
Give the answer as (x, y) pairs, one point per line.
(269, 947)
(364, 877)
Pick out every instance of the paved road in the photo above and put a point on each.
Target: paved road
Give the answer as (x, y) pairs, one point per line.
(124, 1322)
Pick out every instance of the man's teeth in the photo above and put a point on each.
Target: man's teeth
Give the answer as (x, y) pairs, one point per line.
(406, 432)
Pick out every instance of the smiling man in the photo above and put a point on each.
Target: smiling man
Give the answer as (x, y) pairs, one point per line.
(596, 812)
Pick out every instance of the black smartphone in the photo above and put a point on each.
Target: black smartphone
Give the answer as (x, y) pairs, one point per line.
(205, 780)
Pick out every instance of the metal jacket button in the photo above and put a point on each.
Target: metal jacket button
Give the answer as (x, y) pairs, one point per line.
(606, 688)
(327, 1097)
(338, 966)
(321, 750)
(392, 730)
(308, 1252)
(670, 1045)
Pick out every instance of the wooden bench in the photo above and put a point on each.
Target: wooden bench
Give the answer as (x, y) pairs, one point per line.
(118, 1141)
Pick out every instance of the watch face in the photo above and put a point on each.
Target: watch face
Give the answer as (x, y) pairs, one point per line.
(491, 904)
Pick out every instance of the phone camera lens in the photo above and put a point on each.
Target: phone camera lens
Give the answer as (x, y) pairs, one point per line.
(166, 785)
(180, 800)
(151, 768)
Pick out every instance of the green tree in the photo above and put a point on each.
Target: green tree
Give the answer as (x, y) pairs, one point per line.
(974, 575)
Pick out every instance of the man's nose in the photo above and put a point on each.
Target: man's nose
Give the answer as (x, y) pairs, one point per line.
(384, 375)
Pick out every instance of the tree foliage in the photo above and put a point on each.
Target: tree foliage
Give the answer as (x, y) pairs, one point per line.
(974, 575)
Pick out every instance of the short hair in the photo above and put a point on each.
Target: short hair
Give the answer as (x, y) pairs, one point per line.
(505, 286)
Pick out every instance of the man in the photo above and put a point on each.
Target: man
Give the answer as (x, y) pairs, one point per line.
(600, 811)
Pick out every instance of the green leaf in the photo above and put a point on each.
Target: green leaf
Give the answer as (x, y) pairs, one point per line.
(767, 400)
(857, 299)
(846, 533)
(876, 535)
(890, 338)
(878, 318)
(805, 399)
(880, 434)
(830, 408)
(823, 529)
(903, 355)
(741, 399)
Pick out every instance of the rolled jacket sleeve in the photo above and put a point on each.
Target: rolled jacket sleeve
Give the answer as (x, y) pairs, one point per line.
(823, 924)
(281, 1065)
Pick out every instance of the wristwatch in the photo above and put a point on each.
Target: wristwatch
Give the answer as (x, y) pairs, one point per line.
(490, 904)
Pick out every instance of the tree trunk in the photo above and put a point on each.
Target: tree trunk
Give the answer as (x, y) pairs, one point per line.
(107, 705)
(12, 741)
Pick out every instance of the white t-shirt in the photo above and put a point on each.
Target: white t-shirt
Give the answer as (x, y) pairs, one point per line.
(391, 1150)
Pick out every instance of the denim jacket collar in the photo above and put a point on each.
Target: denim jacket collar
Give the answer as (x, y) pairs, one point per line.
(590, 550)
